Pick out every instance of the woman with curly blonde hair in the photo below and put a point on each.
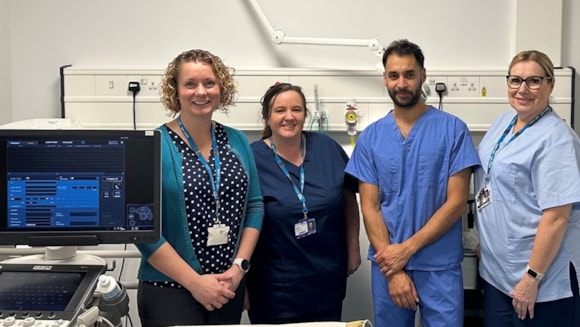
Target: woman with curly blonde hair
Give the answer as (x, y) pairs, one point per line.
(212, 205)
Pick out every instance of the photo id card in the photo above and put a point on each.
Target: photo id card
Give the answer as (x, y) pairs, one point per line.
(217, 234)
(305, 227)
(483, 198)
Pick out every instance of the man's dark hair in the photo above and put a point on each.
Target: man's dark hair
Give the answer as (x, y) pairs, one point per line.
(404, 47)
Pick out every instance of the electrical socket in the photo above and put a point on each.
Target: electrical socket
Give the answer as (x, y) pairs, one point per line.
(429, 88)
(463, 86)
(149, 84)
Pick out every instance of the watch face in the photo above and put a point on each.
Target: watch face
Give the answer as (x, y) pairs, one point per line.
(245, 264)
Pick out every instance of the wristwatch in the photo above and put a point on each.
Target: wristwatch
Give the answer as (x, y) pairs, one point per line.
(534, 273)
(243, 264)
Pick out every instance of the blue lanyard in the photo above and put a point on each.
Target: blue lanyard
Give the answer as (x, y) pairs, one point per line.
(299, 192)
(505, 133)
(215, 184)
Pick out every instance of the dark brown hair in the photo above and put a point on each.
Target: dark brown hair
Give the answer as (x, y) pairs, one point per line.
(268, 99)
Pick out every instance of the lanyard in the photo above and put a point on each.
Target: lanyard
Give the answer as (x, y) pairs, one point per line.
(215, 184)
(299, 192)
(505, 133)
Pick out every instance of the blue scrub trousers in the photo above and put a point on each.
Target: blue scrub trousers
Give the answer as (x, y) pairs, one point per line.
(440, 299)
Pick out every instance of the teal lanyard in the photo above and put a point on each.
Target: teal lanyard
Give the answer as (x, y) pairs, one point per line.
(496, 148)
(299, 191)
(215, 184)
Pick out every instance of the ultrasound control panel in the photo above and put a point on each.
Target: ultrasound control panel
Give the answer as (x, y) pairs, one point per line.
(45, 294)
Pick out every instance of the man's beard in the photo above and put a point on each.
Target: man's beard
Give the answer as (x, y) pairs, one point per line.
(415, 96)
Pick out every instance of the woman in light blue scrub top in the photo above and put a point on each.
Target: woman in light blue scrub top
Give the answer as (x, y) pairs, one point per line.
(529, 205)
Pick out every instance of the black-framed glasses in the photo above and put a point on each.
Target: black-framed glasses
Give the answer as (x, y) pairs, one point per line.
(532, 82)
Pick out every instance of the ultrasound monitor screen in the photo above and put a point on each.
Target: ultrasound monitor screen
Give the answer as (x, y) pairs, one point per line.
(33, 291)
(46, 290)
(79, 187)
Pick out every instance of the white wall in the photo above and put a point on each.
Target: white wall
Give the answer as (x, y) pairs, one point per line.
(48, 34)
(44, 35)
(571, 47)
(529, 30)
(5, 69)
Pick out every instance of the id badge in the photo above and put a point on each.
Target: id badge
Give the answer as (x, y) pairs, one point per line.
(483, 197)
(305, 227)
(217, 235)
(301, 228)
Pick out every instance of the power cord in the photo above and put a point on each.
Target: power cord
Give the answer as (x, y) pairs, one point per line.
(440, 88)
(122, 264)
(134, 87)
(128, 317)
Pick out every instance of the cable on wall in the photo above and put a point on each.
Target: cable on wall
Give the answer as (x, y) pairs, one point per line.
(134, 87)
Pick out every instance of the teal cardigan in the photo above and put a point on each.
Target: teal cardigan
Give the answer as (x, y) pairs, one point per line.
(174, 219)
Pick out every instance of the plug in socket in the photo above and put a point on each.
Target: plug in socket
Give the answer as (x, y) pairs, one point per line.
(134, 87)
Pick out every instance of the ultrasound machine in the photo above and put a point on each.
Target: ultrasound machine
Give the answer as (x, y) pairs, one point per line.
(61, 189)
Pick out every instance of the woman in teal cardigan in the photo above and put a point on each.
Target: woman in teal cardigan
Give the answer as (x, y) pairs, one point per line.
(212, 207)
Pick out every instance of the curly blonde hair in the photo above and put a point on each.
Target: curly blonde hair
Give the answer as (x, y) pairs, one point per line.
(224, 75)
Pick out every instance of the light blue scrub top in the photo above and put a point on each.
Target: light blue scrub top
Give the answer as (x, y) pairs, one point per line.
(539, 169)
(412, 176)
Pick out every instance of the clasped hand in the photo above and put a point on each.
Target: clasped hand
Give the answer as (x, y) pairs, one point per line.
(402, 291)
(392, 258)
(213, 291)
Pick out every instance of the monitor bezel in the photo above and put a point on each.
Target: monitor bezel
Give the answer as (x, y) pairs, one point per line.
(89, 237)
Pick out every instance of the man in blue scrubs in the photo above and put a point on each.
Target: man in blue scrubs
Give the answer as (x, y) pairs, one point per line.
(414, 166)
